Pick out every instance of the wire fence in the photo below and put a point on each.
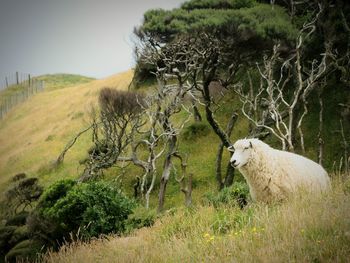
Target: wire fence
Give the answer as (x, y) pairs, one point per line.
(18, 88)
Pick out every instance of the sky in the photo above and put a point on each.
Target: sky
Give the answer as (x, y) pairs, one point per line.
(87, 37)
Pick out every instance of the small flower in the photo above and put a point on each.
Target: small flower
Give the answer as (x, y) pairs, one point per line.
(206, 235)
(302, 231)
(254, 229)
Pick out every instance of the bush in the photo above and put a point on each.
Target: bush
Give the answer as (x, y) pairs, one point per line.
(18, 220)
(86, 209)
(5, 236)
(21, 193)
(237, 193)
(21, 233)
(55, 192)
(196, 130)
(141, 217)
(27, 250)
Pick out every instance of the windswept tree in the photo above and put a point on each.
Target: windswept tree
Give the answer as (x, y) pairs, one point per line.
(113, 129)
(208, 42)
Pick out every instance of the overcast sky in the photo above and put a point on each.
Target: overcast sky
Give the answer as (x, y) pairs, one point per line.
(87, 37)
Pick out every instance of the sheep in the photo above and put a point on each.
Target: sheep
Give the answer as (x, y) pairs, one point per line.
(272, 175)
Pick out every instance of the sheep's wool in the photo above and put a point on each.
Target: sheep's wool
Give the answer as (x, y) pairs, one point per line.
(273, 174)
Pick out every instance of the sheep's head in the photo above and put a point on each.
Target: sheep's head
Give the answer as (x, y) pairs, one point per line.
(242, 150)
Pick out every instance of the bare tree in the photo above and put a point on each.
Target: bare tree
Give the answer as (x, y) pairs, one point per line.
(274, 106)
(195, 61)
(113, 129)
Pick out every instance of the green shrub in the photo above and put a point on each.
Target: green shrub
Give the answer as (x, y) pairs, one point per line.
(22, 193)
(237, 193)
(55, 192)
(141, 217)
(27, 250)
(18, 219)
(87, 209)
(195, 130)
(5, 236)
(21, 233)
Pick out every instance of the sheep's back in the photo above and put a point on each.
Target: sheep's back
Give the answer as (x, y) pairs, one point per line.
(301, 171)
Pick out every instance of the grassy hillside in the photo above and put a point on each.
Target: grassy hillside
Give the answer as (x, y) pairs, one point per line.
(57, 81)
(51, 81)
(307, 228)
(34, 133)
(304, 229)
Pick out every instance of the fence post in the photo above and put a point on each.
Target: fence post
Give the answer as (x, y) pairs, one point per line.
(17, 78)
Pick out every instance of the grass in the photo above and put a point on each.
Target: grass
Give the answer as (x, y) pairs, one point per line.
(51, 82)
(10, 91)
(306, 228)
(58, 81)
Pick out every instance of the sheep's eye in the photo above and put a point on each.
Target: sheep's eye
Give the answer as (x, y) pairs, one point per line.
(246, 148)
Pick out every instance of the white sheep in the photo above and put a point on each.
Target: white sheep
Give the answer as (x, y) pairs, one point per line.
(273, 174)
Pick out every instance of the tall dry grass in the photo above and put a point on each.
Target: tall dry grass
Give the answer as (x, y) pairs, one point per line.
(307, 228)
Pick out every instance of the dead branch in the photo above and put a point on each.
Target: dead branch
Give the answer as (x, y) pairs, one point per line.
(60, 158)
(272, 107)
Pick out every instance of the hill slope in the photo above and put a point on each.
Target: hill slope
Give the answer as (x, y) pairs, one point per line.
(33, 134)
(56, 81)
(305, 229)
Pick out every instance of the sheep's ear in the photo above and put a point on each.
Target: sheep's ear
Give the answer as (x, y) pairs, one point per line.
(250, 144)
(230, 149)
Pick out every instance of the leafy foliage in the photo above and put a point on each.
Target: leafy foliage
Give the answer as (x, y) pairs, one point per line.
(22, 193)
(259, 19)
(237, 193)
(89, 208)
(18, 219)
(26, 250)
(5, 236)
(218, 4)
(141, 217)
(55, 192)
(244, 26)
(195, 130)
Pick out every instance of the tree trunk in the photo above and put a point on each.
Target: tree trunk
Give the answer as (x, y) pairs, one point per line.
(345, 145)
(230, 173)
(218, 163)
(209, 113)
(320, 129)
(166, 172)
(188, 191)
(164, 182)
(218, 173)
(196, 113)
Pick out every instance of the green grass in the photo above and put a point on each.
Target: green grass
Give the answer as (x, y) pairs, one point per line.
(58, 81)
(306, 228)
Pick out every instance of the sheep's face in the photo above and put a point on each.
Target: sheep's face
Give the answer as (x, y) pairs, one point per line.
(242, 152)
